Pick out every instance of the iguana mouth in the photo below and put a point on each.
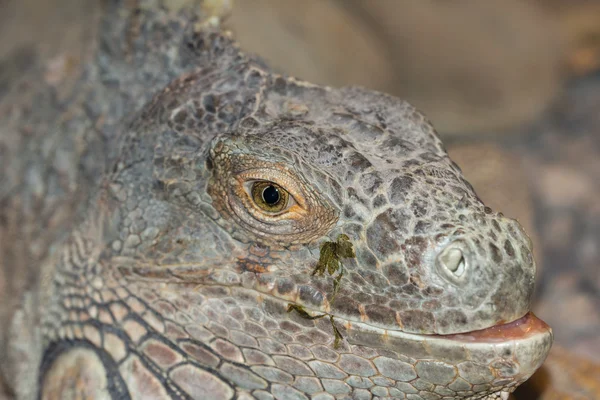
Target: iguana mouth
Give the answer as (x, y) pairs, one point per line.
(522, 328)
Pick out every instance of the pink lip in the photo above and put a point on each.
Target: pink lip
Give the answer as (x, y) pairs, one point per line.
(524, 327)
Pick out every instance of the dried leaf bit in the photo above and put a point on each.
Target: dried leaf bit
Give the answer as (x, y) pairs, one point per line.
(330, 260)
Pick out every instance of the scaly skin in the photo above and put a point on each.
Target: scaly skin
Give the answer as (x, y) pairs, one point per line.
(128, 195)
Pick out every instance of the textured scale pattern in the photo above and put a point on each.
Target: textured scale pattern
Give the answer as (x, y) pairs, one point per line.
(220, 337)
(163, 280)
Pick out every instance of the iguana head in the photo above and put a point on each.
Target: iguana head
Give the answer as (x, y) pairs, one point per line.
(255, 236)
(430, 256)
(307, 164)
(242, 176)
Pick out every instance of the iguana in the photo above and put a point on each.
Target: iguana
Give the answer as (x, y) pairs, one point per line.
(179, 221)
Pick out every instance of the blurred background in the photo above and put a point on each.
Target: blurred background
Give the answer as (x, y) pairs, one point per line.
(512, 86)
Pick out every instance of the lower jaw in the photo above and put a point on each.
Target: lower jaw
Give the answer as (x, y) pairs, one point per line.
(488, 363)
(492, 360)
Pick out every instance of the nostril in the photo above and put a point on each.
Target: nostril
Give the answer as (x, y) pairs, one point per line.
(453, 262)
(452, 259)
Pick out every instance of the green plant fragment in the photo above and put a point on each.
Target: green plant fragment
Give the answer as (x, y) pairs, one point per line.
(330, 260)
(331, 255)
(344, 247)
(336, 284)
(338, 336)
(302, 312)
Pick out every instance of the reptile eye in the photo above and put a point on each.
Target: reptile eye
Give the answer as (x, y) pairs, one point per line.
(269, 196)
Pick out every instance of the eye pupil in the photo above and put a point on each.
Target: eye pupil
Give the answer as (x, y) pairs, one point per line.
(271, 195)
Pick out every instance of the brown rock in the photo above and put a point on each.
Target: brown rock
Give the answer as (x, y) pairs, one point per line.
(471, 66)
(579, 23)
(563, 186)
(317, 40)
